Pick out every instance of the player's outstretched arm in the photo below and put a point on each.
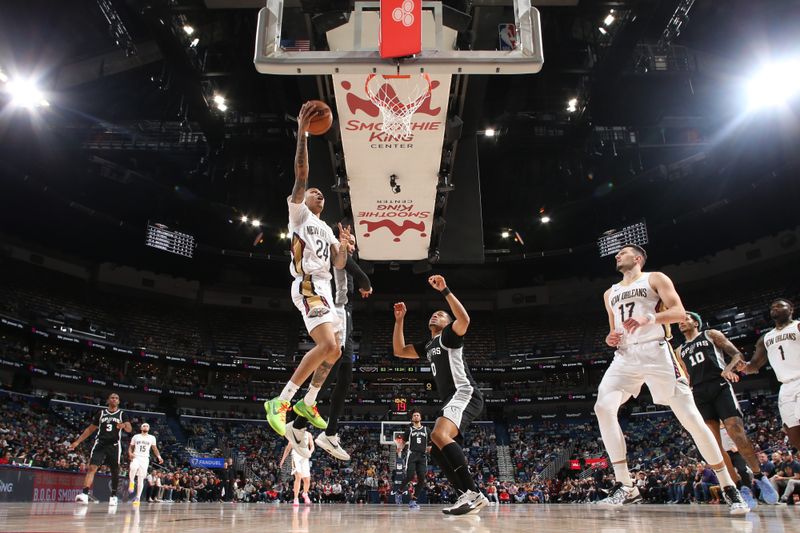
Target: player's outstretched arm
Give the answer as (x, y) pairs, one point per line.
(758, 360)
(360, 278)
(721, 341)
(85, 435)
(286, 451)
(399, 346)
(461, 322)
(301, 155)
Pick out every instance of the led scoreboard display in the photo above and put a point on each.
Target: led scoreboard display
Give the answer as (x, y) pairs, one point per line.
(161, 237)
(613, 240)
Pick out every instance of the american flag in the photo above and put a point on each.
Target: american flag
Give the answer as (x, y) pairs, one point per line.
(299, 45)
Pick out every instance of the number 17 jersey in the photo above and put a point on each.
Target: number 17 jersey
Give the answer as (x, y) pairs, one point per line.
(637, 299)
(311, 243)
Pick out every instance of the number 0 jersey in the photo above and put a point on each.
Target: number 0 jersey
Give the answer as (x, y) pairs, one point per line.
(142, 444)
(783, 350)
(446, 355)
(703, 360)
(637, 299)
(311, 243)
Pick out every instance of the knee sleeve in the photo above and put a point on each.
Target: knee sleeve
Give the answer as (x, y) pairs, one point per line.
(606, 409)
(687, 414)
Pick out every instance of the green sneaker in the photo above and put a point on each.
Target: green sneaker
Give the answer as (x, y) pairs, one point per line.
(311, 413)
(276, 414)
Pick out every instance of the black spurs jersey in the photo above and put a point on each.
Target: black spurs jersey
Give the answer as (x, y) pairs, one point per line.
(107, 432)
(704, 361)
(446, 355)
(417, 439)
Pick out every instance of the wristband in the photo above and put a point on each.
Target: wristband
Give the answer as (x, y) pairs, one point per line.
(446, 292)
(651, 318)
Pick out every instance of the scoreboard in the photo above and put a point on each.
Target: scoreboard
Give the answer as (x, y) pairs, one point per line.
(161, 237)
(613, 240)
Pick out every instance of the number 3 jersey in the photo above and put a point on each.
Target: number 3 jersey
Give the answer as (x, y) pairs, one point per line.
(703, 360)
(637, 299)
(141, 445)
(107, 432)
(783, 350)
(311, 243)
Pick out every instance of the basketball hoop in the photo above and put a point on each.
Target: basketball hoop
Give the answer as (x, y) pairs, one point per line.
(398, 97)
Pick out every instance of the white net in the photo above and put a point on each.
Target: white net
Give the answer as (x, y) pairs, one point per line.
(398, 98)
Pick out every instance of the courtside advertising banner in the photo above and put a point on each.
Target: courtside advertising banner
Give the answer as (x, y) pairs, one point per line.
(392, 178)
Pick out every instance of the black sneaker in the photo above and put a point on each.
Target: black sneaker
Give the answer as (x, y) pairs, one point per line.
(735, 501)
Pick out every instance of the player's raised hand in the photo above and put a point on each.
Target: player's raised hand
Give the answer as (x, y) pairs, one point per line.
(307, 112)
(344, 236)
(399, 311)
(437, 282)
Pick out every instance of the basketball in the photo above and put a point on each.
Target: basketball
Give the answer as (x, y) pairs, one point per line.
(321, 123)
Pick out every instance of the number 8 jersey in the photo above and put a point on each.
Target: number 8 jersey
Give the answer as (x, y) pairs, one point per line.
(637, 299)
(311, 243)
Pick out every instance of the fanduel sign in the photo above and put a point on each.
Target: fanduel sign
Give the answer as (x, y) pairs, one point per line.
(391, 222)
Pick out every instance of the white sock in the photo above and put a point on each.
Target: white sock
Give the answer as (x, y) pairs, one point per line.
(622, 474)
(311, 395)
(724, 477)
(289, 391)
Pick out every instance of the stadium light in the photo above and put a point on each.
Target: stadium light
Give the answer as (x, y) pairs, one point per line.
(774, 85)
(219, 99)
(188, 29)
(489, 132)
(283, 235)
(505, 235)
(194, 42)
(609, 20)
(545, 219)
(572, 105)
(3, 77)
(255, 223)
(244, 219)
(25, 93)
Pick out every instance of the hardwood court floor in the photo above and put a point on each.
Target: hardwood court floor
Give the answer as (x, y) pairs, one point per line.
(282, 518)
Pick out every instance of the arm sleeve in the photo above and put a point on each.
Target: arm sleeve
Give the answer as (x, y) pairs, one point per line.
(298, 213)
(359, 277)
(450, 339)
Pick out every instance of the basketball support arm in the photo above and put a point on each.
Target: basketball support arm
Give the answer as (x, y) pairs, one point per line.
(526, 58)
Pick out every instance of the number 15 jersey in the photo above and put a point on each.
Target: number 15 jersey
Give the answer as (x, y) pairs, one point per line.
(637, 299)
(311, 243)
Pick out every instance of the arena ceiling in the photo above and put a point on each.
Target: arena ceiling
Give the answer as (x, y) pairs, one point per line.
(659, 132)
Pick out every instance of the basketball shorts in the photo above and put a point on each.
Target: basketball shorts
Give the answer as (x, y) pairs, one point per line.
(462, 412)
(139, 467)
(301, 465)
(313, 298)
(416, 464)
(716, 401)
(652, 363)
(105, 454)
(789, 403)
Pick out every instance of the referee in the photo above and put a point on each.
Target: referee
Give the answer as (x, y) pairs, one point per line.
(416, 438)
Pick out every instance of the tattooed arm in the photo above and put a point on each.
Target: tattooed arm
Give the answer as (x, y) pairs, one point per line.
(307, 112)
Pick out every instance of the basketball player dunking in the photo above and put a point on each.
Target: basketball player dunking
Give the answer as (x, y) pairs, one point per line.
(462, 399)
(313, 248)
(139, 456)
(703, 356)
(782, 347)
(107, 446)
(345, 282)
(640, 310)
(416, 439)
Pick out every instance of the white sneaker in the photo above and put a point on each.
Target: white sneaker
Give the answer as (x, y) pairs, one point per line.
(621, 495)
(112, 501)
(478, 503)
(296, 438)
(332, 446)
(464, 504)
(82, 498)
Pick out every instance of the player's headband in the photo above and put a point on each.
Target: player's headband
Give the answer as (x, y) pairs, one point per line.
(696, 318)
(146, 426)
